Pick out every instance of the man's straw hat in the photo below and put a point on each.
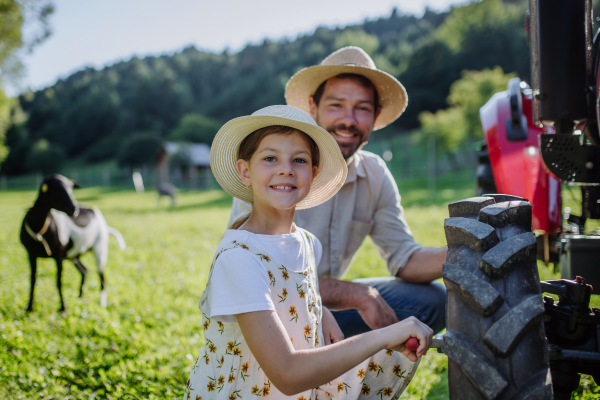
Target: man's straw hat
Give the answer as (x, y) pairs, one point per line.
(349, 60)
(332, 169)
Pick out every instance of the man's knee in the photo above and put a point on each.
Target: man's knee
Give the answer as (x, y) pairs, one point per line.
(426, 301)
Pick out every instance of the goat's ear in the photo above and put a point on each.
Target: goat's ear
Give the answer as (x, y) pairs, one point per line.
(75, 184)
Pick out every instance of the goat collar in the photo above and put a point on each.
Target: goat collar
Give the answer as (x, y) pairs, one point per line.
(38, 236)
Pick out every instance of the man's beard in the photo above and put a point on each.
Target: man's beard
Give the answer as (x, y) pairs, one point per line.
(348, 149)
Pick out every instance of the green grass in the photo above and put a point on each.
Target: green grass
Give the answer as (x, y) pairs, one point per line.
(144, 343)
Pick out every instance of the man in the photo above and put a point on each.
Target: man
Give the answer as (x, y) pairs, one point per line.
(349, 97)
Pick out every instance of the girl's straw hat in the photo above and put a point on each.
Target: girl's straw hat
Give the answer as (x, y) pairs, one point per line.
(349, 60)
(332, 169)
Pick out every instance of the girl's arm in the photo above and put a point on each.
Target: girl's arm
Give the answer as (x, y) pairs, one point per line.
(293, 371)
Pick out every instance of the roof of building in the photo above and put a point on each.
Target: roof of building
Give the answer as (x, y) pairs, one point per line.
(199, 153)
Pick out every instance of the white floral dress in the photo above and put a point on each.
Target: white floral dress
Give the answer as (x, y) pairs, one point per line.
(226, 369)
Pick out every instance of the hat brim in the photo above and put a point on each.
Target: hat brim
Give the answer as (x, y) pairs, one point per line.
(331, 173)
(392, 95)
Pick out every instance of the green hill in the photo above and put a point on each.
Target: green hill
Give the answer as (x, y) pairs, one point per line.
(89, 114)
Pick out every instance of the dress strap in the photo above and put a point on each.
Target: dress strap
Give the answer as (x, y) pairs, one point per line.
(311, 246)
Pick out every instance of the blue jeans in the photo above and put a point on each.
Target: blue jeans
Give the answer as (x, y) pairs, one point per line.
(426, 301)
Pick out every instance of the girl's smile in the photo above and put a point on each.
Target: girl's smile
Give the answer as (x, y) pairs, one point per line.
(283, 187)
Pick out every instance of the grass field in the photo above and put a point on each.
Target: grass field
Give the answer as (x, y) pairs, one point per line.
(142, 346)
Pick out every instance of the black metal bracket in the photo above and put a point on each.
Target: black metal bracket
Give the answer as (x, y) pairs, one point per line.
(566, 158)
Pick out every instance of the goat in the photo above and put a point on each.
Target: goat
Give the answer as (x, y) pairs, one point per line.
(58, 227)
(166, 189)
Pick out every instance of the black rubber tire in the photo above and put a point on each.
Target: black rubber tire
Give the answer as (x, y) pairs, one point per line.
(495, 340)
(485, 176)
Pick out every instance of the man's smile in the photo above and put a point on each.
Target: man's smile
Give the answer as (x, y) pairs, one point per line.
(344, 134)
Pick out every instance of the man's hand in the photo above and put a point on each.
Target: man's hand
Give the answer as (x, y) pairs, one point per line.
(342, 295)
(331, 330)
(375, 311)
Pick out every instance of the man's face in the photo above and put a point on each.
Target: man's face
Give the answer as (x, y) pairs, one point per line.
(347, 111)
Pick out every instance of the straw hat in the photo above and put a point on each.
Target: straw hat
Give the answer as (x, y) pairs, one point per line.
(332, 169)
(352, 60)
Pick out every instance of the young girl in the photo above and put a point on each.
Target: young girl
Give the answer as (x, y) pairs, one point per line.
(266, 332)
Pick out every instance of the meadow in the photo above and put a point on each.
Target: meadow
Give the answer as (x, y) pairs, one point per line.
(143, 345)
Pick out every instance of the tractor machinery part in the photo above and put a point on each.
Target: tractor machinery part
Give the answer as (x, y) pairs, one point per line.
(572, 330)
(495, 339)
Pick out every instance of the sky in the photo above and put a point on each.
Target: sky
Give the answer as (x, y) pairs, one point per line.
(102, 32)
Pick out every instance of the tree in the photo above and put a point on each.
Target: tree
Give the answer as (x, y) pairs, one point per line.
(139, 149)
(45, 157)
(460, 122)
(358, 37)
(195, 128)
(14, 15)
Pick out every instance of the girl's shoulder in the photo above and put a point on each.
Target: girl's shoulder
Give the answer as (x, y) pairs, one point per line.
(237, 246)
(234, 239)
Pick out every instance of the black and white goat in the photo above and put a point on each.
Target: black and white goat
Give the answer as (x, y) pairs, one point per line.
(57, 227)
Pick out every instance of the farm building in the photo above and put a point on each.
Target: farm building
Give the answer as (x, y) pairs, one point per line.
(184, 164)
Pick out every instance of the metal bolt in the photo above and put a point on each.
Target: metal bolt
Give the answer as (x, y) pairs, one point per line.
(589, 165)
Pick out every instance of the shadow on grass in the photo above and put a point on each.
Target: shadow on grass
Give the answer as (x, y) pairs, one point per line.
(223, 202)
(184, 203)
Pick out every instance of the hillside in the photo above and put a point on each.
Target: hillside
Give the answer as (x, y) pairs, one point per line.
(91, 113)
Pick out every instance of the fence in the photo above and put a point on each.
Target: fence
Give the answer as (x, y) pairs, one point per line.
(109, 175)
(412, 157)
(408, 157)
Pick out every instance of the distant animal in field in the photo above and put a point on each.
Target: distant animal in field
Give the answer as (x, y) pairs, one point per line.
(58, 227)
(166, 189)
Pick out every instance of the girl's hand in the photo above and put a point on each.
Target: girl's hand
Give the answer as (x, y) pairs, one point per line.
(331, 329)
(400, 332)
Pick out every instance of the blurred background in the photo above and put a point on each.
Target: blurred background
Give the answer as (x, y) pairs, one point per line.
(95, 90)
(107, 91)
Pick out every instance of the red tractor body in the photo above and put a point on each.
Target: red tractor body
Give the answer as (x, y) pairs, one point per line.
(517, 165)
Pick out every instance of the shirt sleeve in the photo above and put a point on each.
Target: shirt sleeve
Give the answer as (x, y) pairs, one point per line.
(239, 284)
(390, 231)
(239, 209)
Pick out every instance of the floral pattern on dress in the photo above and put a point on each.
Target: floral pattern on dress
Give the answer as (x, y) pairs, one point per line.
(227, 370)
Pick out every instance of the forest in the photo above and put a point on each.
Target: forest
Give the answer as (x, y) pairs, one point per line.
(93, 114)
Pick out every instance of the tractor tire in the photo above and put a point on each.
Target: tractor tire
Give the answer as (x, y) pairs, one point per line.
(485, 176)
(495, 340)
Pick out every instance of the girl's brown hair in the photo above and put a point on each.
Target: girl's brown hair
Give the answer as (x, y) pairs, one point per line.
(250, 144)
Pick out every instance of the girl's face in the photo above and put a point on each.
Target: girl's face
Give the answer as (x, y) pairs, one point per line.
(280, 171)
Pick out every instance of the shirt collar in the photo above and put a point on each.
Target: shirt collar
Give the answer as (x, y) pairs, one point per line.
(355, 167)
